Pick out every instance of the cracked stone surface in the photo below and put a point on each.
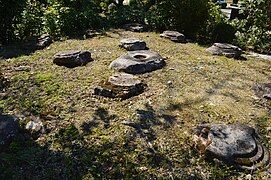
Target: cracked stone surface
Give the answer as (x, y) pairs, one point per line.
(133, 44)
(72, 59)
(174, 36)
(223, 49)
(233, 144)
(138, 62)
(120, 85)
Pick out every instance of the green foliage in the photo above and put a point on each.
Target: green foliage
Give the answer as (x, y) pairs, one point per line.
(9, 12)
(120, 15)
(31, 18)
(188, 16)
(30, 21)
(254, 31)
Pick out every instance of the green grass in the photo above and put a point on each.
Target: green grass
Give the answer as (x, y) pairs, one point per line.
(85, 137)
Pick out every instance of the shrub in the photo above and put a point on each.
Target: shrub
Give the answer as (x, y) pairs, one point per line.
(10, 10)
(78, 15)
(30, 21)
(119, 15)
(254, 31)
(189, 16)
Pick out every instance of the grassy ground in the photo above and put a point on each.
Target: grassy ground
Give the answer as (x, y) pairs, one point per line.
(85, 137)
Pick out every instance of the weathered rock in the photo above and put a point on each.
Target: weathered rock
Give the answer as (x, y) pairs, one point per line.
(233, 144)
(44, 41)
(34, 126)
(132, 44)
(9, 128)
(72, 59)
(223, 49)
(22, 68)
(137, 62)
(121, 86)
(135, 27)
(174, 36)
(91, 33)
(263, 90)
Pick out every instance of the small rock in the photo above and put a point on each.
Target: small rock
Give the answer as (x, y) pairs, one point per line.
(169, 82)
(34, 126)
(174, 36)
(22, 68)
(248, 177)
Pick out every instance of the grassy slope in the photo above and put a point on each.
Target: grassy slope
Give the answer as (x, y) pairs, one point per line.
(85, 136)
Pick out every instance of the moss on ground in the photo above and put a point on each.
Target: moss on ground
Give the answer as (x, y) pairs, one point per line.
(85, 137)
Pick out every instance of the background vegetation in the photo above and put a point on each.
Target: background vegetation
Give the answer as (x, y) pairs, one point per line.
(200, 20)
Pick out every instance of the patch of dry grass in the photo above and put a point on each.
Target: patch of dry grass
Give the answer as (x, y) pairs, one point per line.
(204, 88)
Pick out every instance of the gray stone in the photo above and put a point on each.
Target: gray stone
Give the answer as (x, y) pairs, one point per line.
(223, 49)
(34, 126)
(135, 27)
(263, 90)
(121, 86)
(233, 144)
(72, 59)
(174, 36)
(132, 44)
(138, 62)
(9, 128)
(44, 41)
(91, 33)
(22, 68)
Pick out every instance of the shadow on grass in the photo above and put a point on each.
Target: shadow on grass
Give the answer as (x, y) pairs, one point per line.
(19, 49)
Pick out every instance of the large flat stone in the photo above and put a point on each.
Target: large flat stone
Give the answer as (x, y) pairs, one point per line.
(223, 49)
(233, 144)
(174, 36)
(133, 44)
(138, 62)
(121, 86)
(135, 27)
(72, 59)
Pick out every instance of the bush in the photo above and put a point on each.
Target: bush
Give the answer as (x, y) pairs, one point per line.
(77, 16)
(254, 31)
(120, 15)
(188, 16)
(10, 10)
(31, 21)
